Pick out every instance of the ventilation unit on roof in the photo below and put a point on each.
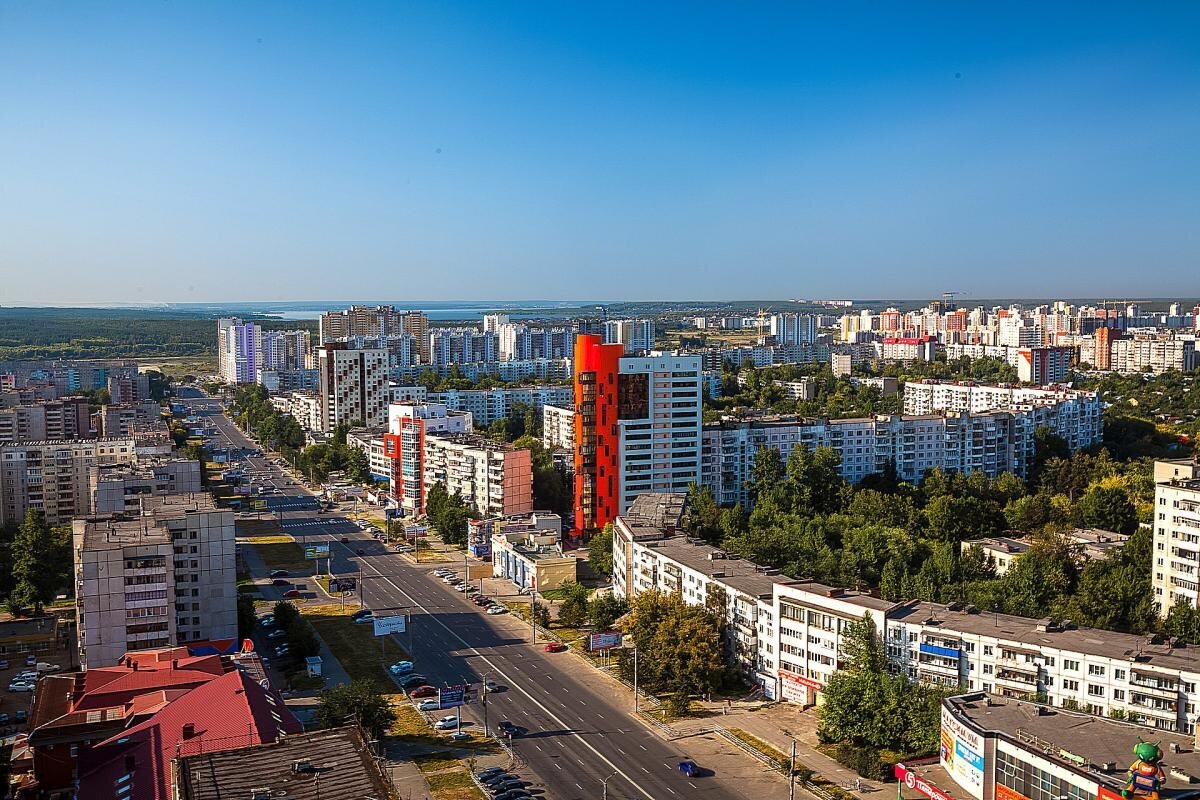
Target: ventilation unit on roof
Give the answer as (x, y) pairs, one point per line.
(303, 767)
(261, 793)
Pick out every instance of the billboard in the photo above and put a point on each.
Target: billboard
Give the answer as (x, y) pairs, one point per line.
(394, 624)
(316, 551)
(344, 584)
(961, 753)
(604, 641)
(451, 696)
(914, 781)
(797, 688)
(412, 532)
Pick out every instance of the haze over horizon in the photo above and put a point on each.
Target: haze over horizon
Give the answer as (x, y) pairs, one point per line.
(182, 153)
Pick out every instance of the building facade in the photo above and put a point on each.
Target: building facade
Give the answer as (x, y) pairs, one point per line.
(404, 447)
(53, 476)
(495, 479)
(1176, 536)
(352, 386)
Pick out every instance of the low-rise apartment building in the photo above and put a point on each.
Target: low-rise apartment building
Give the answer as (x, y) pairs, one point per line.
(488, 405)
(53, 476)
(404, 446)
(1154, 353)
(163, 577)
(495, 479)
(786, 635)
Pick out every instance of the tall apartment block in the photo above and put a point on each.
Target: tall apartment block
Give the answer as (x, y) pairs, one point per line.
(462, 346)
(404, 444)
(352, 386)
(237, 350)
(558, 427)
(69, 418)
(375, 321)
(128, 388)
(1176, 534)
(637, 428)
(284, 350)
(794, 328)
(53, 476)
(495, 479)
(165, 577)
(637, 335)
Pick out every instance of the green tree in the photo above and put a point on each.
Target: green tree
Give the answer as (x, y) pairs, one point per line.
(703, 515)
(600, 553)
(573, 609)
(605, 609)
(247, 619)
(861, 649)
(41, 562)
(359, 701)
(1183, 622)
(1108, 508)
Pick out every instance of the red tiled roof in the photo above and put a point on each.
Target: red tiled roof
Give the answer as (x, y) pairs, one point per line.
(226, 713)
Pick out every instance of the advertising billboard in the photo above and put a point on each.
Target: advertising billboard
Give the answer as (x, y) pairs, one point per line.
(344, 584)
(604, 641)
(412, 532)
(451, 696)
(316, 551)
(914, 781)
(797, 688)
(961, 753)
(394, 624)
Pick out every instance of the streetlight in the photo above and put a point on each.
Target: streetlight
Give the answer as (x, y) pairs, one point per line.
(635, 679)
(604, 784)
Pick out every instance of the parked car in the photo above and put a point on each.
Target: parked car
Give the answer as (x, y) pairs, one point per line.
(22, 716)
(267, 620)
(497, 609)
(555, 647)
(3, 663)
(512, 794)
(462, 587)
(278, 633)
(446, 723)
(4, 719)
(480, 600)
(281, 582)
(345, 540)
(30, 660)
(362, 612)
(423, 691)
(488, 773)
(459, 736)
(401, 667)
(429, 705)
(412, 680)
(470, 589)
(20, 686)
(292, 593)
(494, 781)
(365, 619)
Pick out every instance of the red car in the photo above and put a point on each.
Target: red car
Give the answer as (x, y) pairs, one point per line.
(423, 691)
(292, 593)
(555, 647)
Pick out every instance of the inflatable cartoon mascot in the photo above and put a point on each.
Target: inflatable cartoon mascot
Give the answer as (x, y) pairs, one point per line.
(1146, 775)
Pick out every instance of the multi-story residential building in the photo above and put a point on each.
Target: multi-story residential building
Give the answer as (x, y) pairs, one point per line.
(790, 633)
(794, 328)
(540, 369)
(488, 405)
(404, 446)
(992, 442)
(1090, 543)
(362, 321)
(637, 335)
(1044, 365)
(637, 428)
(1176, 524)
(495, 479)
(933, 397)
(558, 427)
(520, 342)
(121, 420)
(165, 577)
(305, 408)
(369, 441)
(284, 350)
(128, 388)
(289, 380)
(906, 348)
(53, 475)
(449, 346)
(352, 386)
(121, 489)
(69, 418)
(1154, 353)
(238, 354)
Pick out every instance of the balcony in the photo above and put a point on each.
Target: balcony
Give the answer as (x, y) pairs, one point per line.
(1156, 685)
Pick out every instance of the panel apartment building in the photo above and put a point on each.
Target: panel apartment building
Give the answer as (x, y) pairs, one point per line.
(488, 405)
(495, 479)
(1176, 535)
(352, 386)
(68, 418)
(54, 476)
(637, 428)
(404, 445)
(786, 636)
(161, 578)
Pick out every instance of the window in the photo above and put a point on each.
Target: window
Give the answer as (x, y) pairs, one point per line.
(1070, 685)
(1119, 674)
(1069, 664)
(987, 649)
(1095, 691)
(1096, 670)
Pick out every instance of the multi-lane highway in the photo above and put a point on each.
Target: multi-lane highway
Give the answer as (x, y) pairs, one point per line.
(579, 728)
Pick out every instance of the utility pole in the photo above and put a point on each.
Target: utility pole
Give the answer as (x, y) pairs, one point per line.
(483, 699)
(533, 616)
(635, 680)
(792, 774)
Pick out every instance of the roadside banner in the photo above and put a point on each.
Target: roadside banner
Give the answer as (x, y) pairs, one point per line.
(316, 551)
(604, 641)
(397, 623)
(451, 696)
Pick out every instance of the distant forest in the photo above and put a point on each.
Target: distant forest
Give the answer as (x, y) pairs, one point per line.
(88, 333)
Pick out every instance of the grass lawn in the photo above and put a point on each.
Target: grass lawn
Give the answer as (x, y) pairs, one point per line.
(354, 645)
(435, 762)
(453, 785)
(277, 550)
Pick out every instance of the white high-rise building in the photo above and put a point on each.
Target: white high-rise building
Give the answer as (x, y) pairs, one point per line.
(636, 334)
(238, 350)
(353, 386)
(1176, 565)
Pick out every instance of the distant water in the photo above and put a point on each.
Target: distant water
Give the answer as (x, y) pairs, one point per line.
(541, 309)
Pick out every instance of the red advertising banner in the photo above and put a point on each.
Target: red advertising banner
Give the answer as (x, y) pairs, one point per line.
(1005, 793)
(914, 781)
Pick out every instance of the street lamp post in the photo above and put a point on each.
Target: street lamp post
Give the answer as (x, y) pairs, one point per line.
(533, 615)
(604, 784)
(635, 680)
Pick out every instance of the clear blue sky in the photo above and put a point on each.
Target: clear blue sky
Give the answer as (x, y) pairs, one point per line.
(201, 151)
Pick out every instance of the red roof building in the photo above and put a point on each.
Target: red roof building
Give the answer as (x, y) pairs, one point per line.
(111, 732)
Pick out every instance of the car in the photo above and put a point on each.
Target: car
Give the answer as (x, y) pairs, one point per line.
(512, 794)
(278, 633)
(470, 589)
(446, 723)
(480, 600)
(292, 593)
(689, 768)
(511, 782)
(459, 736)
(423, 691)
(555, 647)
(451, 578)
(30, 660)
(281, 582)
(3, 663)
(461, 587)
(505, 726)
(345, 540)
(22, 716)
(442, 572)
(491, 687)
(282, 650)
(495, 781)
(365, 619)
(401, 667)
(490, 772)
(429, 705)
(497, 609)
(26, 676)
(20, 686)
(402, 548)
(362, 612)
(412, 680)
(360, 552)
(4, 718)
(267, 620)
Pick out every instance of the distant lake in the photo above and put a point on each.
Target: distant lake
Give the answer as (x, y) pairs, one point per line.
(533, 309)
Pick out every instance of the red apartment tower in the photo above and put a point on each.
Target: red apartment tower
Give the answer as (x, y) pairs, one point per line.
(597, 440)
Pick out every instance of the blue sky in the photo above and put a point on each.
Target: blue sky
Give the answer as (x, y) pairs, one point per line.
(182, 151)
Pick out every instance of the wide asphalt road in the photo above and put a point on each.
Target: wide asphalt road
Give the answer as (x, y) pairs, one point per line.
(579, 731)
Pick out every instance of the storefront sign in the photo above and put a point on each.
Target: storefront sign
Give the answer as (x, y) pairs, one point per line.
(961, 753)
(797, 688)
(1005, 793)
(914, 781)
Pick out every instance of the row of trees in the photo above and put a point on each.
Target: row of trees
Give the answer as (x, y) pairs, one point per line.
(35, 563)
(448, 513)
(580, 606)
(301, 638)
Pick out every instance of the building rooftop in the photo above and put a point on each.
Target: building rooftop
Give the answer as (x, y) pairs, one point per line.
(122, 530)
(1142, 651)
(473, 440)
(659, 510)
(726, 568)
(861, 599)
(324, 765)
(1005, 544)
(1104, 746)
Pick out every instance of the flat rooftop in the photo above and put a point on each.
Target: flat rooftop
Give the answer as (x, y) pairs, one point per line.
(1058, 734)
(122, 530)
(1142, 651)
(737, 573)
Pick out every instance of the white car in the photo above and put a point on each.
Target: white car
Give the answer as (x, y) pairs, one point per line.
(432, 704)
(401, 667)
(21, 686)
(496, 609)
(461, 587)
(446, 723)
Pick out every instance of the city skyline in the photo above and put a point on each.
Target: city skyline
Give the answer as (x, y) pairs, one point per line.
(481, 152)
